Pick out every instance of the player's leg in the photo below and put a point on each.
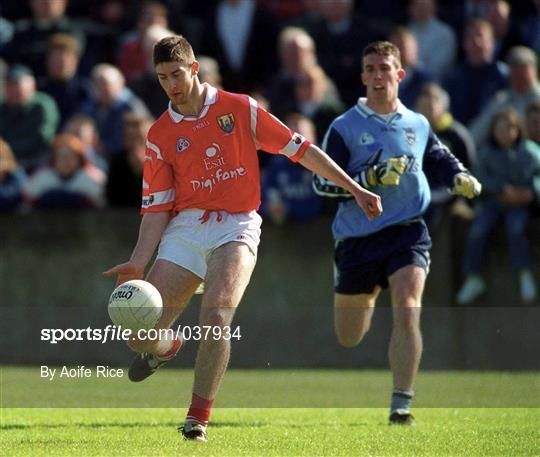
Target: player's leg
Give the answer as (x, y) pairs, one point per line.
(405, 350)
(352, 316)
(229, 271)
(176, 286)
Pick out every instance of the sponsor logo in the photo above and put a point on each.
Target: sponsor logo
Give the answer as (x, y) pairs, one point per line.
(182, 144)
(410, 135)
(213, 157)
(216, 178)
(226, 122)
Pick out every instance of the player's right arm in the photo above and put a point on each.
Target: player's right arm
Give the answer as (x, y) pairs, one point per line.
(158, 196)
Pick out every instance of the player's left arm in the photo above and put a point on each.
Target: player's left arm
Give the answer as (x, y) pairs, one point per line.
(316, 160)
(271, 135)
(443, 168)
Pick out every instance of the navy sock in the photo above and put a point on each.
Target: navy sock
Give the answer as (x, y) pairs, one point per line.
(401, 400)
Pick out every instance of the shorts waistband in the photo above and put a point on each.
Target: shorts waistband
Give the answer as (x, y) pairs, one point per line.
(200, 215)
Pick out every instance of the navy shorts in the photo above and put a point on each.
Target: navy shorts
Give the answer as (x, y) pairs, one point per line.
(363, 263)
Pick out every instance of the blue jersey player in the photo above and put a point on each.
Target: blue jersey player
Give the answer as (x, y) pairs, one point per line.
(392, 151)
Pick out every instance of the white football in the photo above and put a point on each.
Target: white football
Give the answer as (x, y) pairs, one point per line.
(136, 305)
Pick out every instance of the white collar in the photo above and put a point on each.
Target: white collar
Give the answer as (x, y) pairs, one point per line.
(210, 99)
(366, 111)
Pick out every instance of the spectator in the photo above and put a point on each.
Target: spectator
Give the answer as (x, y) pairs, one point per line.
(315, 99)
(84, 128)
(505, 31)
(126, 172)
(65, 183)
(524, 88)
(28, 119)
(532, 120)
(209, 71)
(340, 44)
(12, 179)
(133, 56)
(111, 100)
(415, 75)
(509, 170)
(147, 86)
(241, 36)
(30, 40)
(62, 82)
(287, 193)
(296, 52)
(473, 83)
(437, 42)
(433, 102)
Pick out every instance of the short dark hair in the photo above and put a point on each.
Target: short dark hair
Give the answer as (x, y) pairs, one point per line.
(173, 49)
(511, 116)
(383, 48)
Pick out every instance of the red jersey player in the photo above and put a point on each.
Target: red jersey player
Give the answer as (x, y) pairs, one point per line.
(200, 196)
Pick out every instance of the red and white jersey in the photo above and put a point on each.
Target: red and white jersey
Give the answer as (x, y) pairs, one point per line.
(210, 161)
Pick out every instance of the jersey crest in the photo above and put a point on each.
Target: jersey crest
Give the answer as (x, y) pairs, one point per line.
(182, 144)
(226, 122)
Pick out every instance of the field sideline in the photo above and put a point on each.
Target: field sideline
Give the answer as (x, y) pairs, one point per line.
(455, 430)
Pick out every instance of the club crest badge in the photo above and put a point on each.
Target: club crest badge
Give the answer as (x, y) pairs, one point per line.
(226, 122)
(366, 138)
(182, 144)
(410, 136)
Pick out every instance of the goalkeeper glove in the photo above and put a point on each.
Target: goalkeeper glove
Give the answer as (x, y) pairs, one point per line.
(386, 173)
(466, 185)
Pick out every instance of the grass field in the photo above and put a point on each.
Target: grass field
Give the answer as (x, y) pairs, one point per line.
(461, 428)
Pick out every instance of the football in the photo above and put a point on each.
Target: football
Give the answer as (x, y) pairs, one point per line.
(135, 305)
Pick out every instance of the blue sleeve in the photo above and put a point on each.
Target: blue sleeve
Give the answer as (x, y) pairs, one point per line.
(334, 145)
(440, 165)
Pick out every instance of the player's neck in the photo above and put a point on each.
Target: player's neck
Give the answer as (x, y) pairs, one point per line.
(194, 102)
(382, 107)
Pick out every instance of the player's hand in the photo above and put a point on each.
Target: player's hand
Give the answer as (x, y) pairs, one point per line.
(387, 172)
(466, 185)
(126, 272)
(369, 202)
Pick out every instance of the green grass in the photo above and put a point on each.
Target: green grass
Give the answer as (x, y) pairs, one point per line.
(271, 432)
(460, 428)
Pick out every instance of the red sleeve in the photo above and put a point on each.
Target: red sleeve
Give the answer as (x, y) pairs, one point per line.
(158, 182)
(274, 136)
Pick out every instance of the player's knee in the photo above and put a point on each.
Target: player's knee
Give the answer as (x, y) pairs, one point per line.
(349, 339)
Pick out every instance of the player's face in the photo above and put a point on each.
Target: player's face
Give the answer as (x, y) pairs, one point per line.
(177, 79)
(381, 77)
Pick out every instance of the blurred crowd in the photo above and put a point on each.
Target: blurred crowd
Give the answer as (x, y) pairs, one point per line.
(78, 94)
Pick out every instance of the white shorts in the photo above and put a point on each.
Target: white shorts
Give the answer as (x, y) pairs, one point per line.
(188, 241)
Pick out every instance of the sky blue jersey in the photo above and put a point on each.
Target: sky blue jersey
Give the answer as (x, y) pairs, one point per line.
(361, 138)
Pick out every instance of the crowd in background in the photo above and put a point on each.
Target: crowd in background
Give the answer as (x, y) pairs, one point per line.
(78, 93)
